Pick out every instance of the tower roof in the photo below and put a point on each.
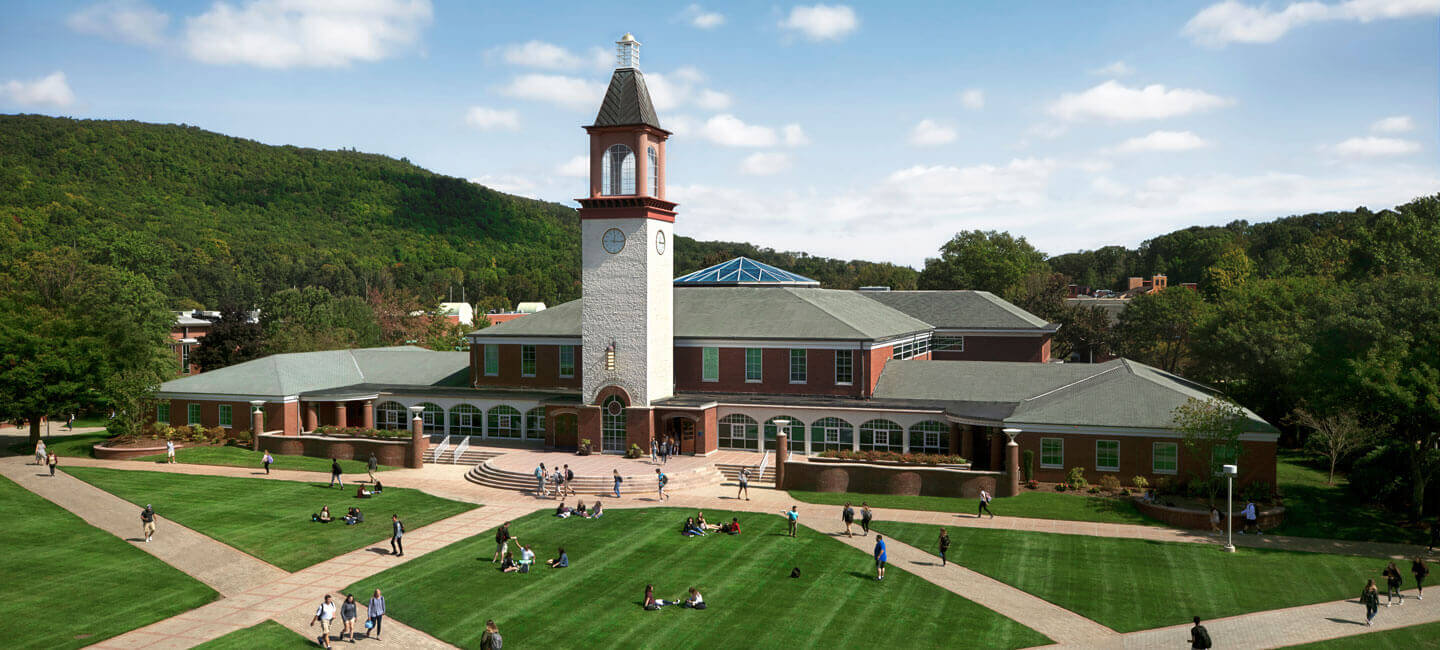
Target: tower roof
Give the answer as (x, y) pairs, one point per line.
(627, 101)
(744, 272)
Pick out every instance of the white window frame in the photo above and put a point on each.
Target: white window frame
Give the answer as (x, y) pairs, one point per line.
(759, 365)
(654, 161)
(1154, 456)
(162, 413)
(804, 365)
(832, 435)
(948, 343)
(1100, 468)
(710, 364)
(534, 360)
(184, 358)
(567, 351)
(226, 415)
(849, 358)
(1059, 465)
(491, 352)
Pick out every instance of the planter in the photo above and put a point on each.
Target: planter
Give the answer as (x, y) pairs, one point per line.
(896, 463)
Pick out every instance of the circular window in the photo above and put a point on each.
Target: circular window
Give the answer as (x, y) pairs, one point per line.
(660, 242)
(614, 407)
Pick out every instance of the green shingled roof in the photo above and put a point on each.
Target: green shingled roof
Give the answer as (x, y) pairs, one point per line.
(959, 309)
(285, 375)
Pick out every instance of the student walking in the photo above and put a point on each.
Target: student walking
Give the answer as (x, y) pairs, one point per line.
(744, 484)
(502, 541)
(1199, 636)
(335, 473)
(1251, 519)
(654, 451)
(847, 515)
(147, 522)
(266, 460)
(879, 557)
(324, 615)
(397, 531)
(347, 617)
(70, 422)
(40, 455)
(865, 517)
(984, 505)
(618, 481)
(375, 610)
(1392, 584)
(54, 460)
(371, 466)
(944, 545)
(660, 481)
(1420, 570)
(170, 451)
(1370, 598)
(1214, 521)
(491, 639)
(540, 481)
(793, 516)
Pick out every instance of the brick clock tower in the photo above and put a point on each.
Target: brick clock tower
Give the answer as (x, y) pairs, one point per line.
(626, 224)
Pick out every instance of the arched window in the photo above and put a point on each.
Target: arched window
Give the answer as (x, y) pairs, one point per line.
(831, 434)
(930, 437)
(654, 173)
(612, 426)
(739, 432)
(391, 417)
(466, 420)
(505, 422)
(795, 430)
(535, 423)
(617, 171)
(881, 435)
(433, 418)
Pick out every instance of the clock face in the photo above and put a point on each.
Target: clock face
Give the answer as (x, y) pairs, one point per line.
(660, 242)
(613, 240)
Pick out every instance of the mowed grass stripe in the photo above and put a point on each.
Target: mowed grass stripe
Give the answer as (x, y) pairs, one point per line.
(237, 457)
(1401, 638)
(1033, 505)
(270, 519)
(64, 577)
(268, 635)
(451, 592)
(1130, 584)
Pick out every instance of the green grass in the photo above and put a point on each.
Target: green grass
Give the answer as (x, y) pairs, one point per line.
(270, 519)
(1314, 509)
(1130, 584)
(64, 578)
(1035, 505)
(1403, 638)
(71, 446)
(269, 635)
(238, 457)
(836, 602)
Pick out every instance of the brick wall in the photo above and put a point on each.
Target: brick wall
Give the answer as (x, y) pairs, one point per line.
(883, 479)
(1257, 460)
(547, 368)
(999, 348)
(775, 375)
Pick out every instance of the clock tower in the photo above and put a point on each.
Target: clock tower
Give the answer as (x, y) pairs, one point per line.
(627, 273)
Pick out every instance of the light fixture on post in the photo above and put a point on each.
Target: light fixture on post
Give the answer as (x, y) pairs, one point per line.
(1230, 472)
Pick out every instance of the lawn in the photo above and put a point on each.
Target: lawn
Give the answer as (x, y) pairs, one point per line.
(267, 518)
(1402, 638)
(269, 635)
(238, 457)
(745, 580)
(1314, 509)
(68, 584)
(1035, 505)
(72, 446)
(1130, 584)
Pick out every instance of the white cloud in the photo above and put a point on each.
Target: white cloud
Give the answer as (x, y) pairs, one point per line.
(507, 183)
(702, 19)
(822, 22)
(578, 166)
(1165, 141)
(488, 119)
(128, 21)
(1372, 147)
(538, 54)
(1235, 22)
(795, 136)
(1114, 102)
(1116, 69)
(973, 99)
(681, 88)
(976, 187)
(290, 33)
(50, 90)
(712, 100)
(929, 133)
(567, 92)
(765, 163)
(730, 131)
(1396, 124)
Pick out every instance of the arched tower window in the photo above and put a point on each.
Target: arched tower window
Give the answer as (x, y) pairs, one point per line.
(654, 173)
(617, 171)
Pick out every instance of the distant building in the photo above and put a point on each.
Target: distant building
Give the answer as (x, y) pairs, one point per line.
(458, 313)
(497, 317)
(190, 326)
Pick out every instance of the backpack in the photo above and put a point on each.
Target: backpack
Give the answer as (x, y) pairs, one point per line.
(664, 479)
(795, 572)
(1202, 637)
(619, 478)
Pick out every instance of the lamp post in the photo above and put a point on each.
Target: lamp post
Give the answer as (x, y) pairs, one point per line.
(1230, 472)
(781, 426)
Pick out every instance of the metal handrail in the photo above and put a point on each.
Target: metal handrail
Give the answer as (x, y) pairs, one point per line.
(460, 450)
(440, 449)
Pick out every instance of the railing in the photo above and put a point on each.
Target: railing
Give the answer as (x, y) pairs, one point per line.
(440, 449)
(760, 471)
(460, 449)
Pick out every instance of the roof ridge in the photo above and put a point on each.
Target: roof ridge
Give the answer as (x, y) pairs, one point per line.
(806, 298)
(1072, 384)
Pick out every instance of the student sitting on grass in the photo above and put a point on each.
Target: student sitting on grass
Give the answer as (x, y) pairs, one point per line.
(559, 562)
(651, 602)
(323, 517)
(509, 565)
(691, 529)
(580, 509)
(361, 492)
(732, 528)
(596, 511)
(562, 511)
(694, 601)
(378, 487)
(354, 516)
(700, 521)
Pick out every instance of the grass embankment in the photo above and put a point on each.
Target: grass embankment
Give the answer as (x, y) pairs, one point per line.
(1314, 509)
(1035, 505)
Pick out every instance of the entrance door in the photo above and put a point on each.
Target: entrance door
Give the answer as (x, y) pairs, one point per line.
(684, 432)
(612, 427)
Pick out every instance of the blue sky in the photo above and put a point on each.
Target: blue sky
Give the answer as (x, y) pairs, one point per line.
(865, 130)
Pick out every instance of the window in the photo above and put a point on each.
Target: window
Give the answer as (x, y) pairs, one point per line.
(492, 360)
(192, 414)
(710, 364)
(567, 361)
(949, 344)
(527, 361)
(1164, 458)
(654, 173)
(844, 367)
(390, 416)
(754, 365)
(930, 437)
(830, 434)
(739, 432)
(1222, 455)
(612, 426)
(162, 413)
(225, 415)
(184, 359)
(1052, 453)
(505, 422)
(1107, 455)
(467, 420)
(797, 366)
(916, 347)
(432, 418)
(795, 429)
(881, 435)
(617, 171)
(535, 423)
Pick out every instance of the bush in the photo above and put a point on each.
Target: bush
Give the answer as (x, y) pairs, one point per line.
(634, 452)
(1094, 490)
(1032, 484)
(1378, 476)
(1140, 483)
(1258, 491)
(1027, 465)
(361, 432)
(1164, 485)
(1059, 487)
(872, 455)
(1075, 478)
(1109, 483)
(241, 438)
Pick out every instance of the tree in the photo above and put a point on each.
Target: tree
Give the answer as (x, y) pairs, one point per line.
(983, 260)
(232, 339)
(1156, 328)
(1227, 274)
(1084, 332)
(1211, 431)
(1043, 294)
(1335, 436)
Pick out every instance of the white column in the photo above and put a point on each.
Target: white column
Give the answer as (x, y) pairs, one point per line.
(484, 424)
(855, 438)
(905, 436)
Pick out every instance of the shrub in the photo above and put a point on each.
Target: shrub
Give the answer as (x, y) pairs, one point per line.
(241, 438)
(1109, 483)
(361, 432)
(1140, 483)
(1094, 490)
(1075, 478)
(634, 452)
(1163, 485)
(1259, 492)
(1032, 484)
(1027, 465)
(872, 455)
(1059, 487)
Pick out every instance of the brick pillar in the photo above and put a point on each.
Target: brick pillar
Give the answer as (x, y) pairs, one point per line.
(257, 423)
(312, 418)
(782, 453)
(418, 443)
(1012, 463)
(340, 414)
(368, 419)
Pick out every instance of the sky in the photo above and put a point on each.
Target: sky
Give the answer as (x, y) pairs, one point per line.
(870, 130)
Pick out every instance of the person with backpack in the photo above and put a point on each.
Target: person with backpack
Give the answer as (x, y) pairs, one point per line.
(1420, 570)
(491, 639)
(1370, 598)
(502, 541)
(618, 481)
(335, 474)
(1392, 585)
(147, 522)
(847, 515)
(569, 480)
(371, 466)
(984, 505)
(540, 481)
(396, 533)
(944, 545)
(660, 481)
(1199, 636)
(266, 460)
(744, 484)
(865, 518)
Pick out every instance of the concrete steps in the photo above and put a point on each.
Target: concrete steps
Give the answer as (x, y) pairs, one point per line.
(731, 472)
(472, 456)
(488, 475)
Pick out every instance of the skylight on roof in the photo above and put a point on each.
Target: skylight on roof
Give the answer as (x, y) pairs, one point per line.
(743, 271)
